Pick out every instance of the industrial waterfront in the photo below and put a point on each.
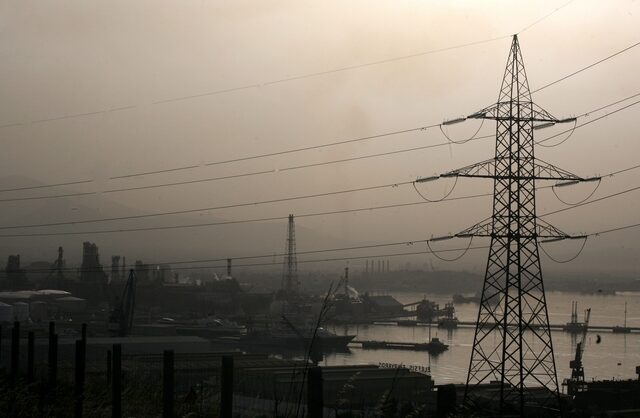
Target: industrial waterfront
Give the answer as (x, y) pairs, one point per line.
(320, 209)
(615, 357)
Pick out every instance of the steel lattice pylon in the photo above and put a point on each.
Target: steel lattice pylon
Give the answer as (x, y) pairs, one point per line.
(512, 346)
(290, 268)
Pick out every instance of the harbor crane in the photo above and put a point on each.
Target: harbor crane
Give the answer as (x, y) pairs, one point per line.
(576, 383)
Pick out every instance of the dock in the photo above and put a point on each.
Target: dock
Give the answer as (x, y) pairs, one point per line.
(397, 345)
(472, 324)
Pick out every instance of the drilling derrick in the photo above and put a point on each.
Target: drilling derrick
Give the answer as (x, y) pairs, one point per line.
(290, 281)
(512, 346)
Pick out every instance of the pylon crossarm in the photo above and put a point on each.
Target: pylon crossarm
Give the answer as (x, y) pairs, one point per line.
(500, 111)
(546, 230)
(541, 171)
(547, 171)
(481, 229)
(485, 169)
(543, 230)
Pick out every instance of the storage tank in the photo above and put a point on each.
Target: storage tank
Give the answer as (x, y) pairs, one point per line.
(48, 295)
(21, 311)
(6, 312)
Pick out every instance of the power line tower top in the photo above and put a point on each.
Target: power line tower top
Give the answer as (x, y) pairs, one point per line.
(290, 282)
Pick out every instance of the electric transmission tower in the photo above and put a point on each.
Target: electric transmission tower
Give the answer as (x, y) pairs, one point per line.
(512, 346)
(290, 281)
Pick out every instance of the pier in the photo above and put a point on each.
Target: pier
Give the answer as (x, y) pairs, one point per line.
(397, 345)
(472, 324)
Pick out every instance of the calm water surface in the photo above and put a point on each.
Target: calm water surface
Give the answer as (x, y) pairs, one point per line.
(616, 356)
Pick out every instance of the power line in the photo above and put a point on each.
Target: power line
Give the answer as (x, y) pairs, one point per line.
(279, 263)
(231, 206)
(545, 17)
(321, 73)
(68, 183)
(288, 79)
(254, 173)
(589, 122)
(586, 68)
(265, 219)
(607, 231)
(295, 150)
(263, 172)
(336, 192)
(182, 183)
(278, 81)
(361, 257)
(253, 85)
(284, 152)
(272, 255)
(633, 189)
(57, 196)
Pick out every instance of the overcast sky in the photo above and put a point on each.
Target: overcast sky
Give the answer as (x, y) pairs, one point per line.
(66, 58)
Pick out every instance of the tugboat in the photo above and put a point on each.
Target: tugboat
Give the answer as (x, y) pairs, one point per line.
(435, 346)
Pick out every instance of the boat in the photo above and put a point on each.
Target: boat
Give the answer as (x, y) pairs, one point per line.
(435, 346)
(289, 336)
(622, 329)
(209, 327)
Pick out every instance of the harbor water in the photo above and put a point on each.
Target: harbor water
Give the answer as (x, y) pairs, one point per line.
(606, 356)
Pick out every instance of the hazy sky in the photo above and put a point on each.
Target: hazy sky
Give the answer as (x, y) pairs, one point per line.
(67, 57)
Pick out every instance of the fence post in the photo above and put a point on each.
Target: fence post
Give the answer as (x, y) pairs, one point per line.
(79, 377)
(108, 367)
(116, 384)
(30, 356)
(446, 400)
(226, 387)
(15, 352)
(53, 355)
(167, 384)
(315, 401)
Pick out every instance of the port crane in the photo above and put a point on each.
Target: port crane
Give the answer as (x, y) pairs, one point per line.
(121, 317)
(576, 383)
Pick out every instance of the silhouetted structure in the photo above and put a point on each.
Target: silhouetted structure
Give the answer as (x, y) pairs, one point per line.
(115, 268)
(290, 283)
(91, 269)
(16, 277)
(512, 344)
(121, 318)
